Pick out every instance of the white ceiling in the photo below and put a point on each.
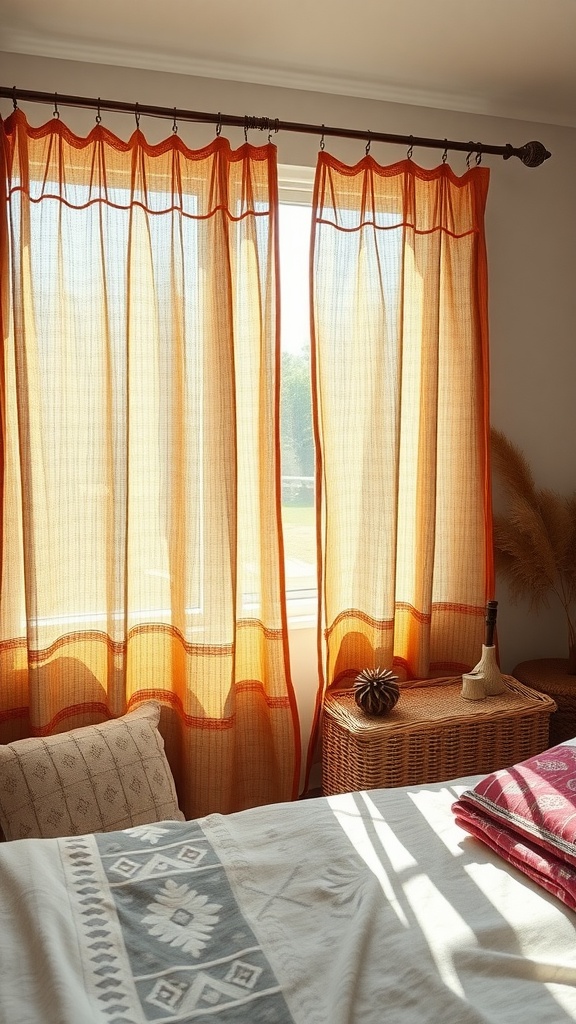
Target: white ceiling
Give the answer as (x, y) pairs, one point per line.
(513, 58)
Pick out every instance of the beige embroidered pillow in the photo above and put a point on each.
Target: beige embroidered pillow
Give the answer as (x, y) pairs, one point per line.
(96, 779)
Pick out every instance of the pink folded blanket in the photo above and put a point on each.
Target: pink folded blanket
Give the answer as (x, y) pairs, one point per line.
(527, 814)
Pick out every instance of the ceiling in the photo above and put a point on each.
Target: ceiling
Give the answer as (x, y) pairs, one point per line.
(510, 58)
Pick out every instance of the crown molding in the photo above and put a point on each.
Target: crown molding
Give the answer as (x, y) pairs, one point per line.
(275, 76)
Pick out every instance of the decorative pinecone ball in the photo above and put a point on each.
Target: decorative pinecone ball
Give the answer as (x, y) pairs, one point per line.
(376, 691)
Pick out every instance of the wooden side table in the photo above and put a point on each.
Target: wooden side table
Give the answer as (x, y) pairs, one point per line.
(550, 675)
(431, 735)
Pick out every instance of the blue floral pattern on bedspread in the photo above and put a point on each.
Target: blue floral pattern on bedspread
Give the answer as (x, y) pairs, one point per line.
(163, 937)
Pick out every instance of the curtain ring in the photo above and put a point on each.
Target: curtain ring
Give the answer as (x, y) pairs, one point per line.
(137, 117)
(56, 112)
(174, 125)
(98, 116)
(322, 143)
(468, 159)
(445, 153)
(253, 122)
(410, 149)
(478, 158)
(219, 125)
(14, 100)
(368, 144)
(275, 129)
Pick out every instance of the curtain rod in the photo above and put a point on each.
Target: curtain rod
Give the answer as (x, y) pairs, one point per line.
(532, 154)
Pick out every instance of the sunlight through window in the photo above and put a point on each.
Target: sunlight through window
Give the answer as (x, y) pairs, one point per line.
(298, 514)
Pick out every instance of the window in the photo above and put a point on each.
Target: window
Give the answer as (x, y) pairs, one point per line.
(89, 607)
(298, 515)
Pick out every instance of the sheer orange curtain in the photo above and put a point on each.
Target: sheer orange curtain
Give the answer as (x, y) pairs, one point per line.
(400, 386)
(142, 550)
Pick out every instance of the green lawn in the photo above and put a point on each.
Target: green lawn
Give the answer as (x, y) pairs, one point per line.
(298, 515)
(299, 532)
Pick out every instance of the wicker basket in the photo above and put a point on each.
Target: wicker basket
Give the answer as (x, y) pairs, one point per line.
(431, 735)
(550, 675)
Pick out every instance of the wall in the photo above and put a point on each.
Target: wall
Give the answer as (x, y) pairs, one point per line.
(531, 234)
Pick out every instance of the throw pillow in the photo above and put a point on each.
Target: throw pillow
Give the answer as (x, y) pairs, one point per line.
(99, 778)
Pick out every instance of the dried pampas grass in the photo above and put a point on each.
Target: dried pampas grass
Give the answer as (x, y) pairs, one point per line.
(535, 538)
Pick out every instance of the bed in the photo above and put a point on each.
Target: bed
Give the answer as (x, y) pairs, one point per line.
(371, 907)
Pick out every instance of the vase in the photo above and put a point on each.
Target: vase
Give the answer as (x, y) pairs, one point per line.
(488, 668)
(473, 686)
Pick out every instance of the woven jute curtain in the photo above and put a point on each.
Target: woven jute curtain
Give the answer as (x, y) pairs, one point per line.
(141, 539)
(400, 390)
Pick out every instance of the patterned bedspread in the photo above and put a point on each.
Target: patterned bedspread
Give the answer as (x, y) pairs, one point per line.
(370, 908)
(176, 921)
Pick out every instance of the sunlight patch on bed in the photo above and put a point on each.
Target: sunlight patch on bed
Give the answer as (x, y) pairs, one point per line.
(349, 817)
(526, 914)
(400, 858)
(442, 926)
(435, 808)
(529, 918)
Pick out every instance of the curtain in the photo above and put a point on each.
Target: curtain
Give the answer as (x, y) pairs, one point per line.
(142, 551)
(400, 391)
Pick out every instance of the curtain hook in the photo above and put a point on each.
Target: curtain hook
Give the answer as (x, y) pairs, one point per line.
(410, 149)
(137, 117)
(368, 144)
(56, 112)
(478, 158)
(174, 124)
(273, 129)
(252, 122)
(14, 100)
(445, 153)
(469, 155)
(322, 143)
(98, 115)
(219, 125)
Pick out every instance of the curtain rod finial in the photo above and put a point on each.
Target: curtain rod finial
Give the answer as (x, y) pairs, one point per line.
(533, 154)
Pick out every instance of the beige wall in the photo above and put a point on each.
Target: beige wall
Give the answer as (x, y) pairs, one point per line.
(531, 229)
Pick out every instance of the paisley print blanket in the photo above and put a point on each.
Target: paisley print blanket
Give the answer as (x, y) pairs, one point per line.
(527, 814)
(364, 908)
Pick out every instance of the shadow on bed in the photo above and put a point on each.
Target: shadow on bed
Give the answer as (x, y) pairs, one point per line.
(471, 918)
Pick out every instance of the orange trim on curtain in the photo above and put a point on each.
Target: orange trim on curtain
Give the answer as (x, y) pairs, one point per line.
(401, 410)
(4, 328)
(143, 551)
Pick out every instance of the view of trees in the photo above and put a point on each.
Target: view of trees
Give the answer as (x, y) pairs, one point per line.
(296, 430)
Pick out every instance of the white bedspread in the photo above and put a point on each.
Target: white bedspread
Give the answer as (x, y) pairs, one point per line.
(372, 908)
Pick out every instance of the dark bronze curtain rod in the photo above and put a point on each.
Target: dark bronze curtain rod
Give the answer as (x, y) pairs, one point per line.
(532, 154)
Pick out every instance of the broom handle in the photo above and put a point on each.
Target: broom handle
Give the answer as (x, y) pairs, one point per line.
(491, 612)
